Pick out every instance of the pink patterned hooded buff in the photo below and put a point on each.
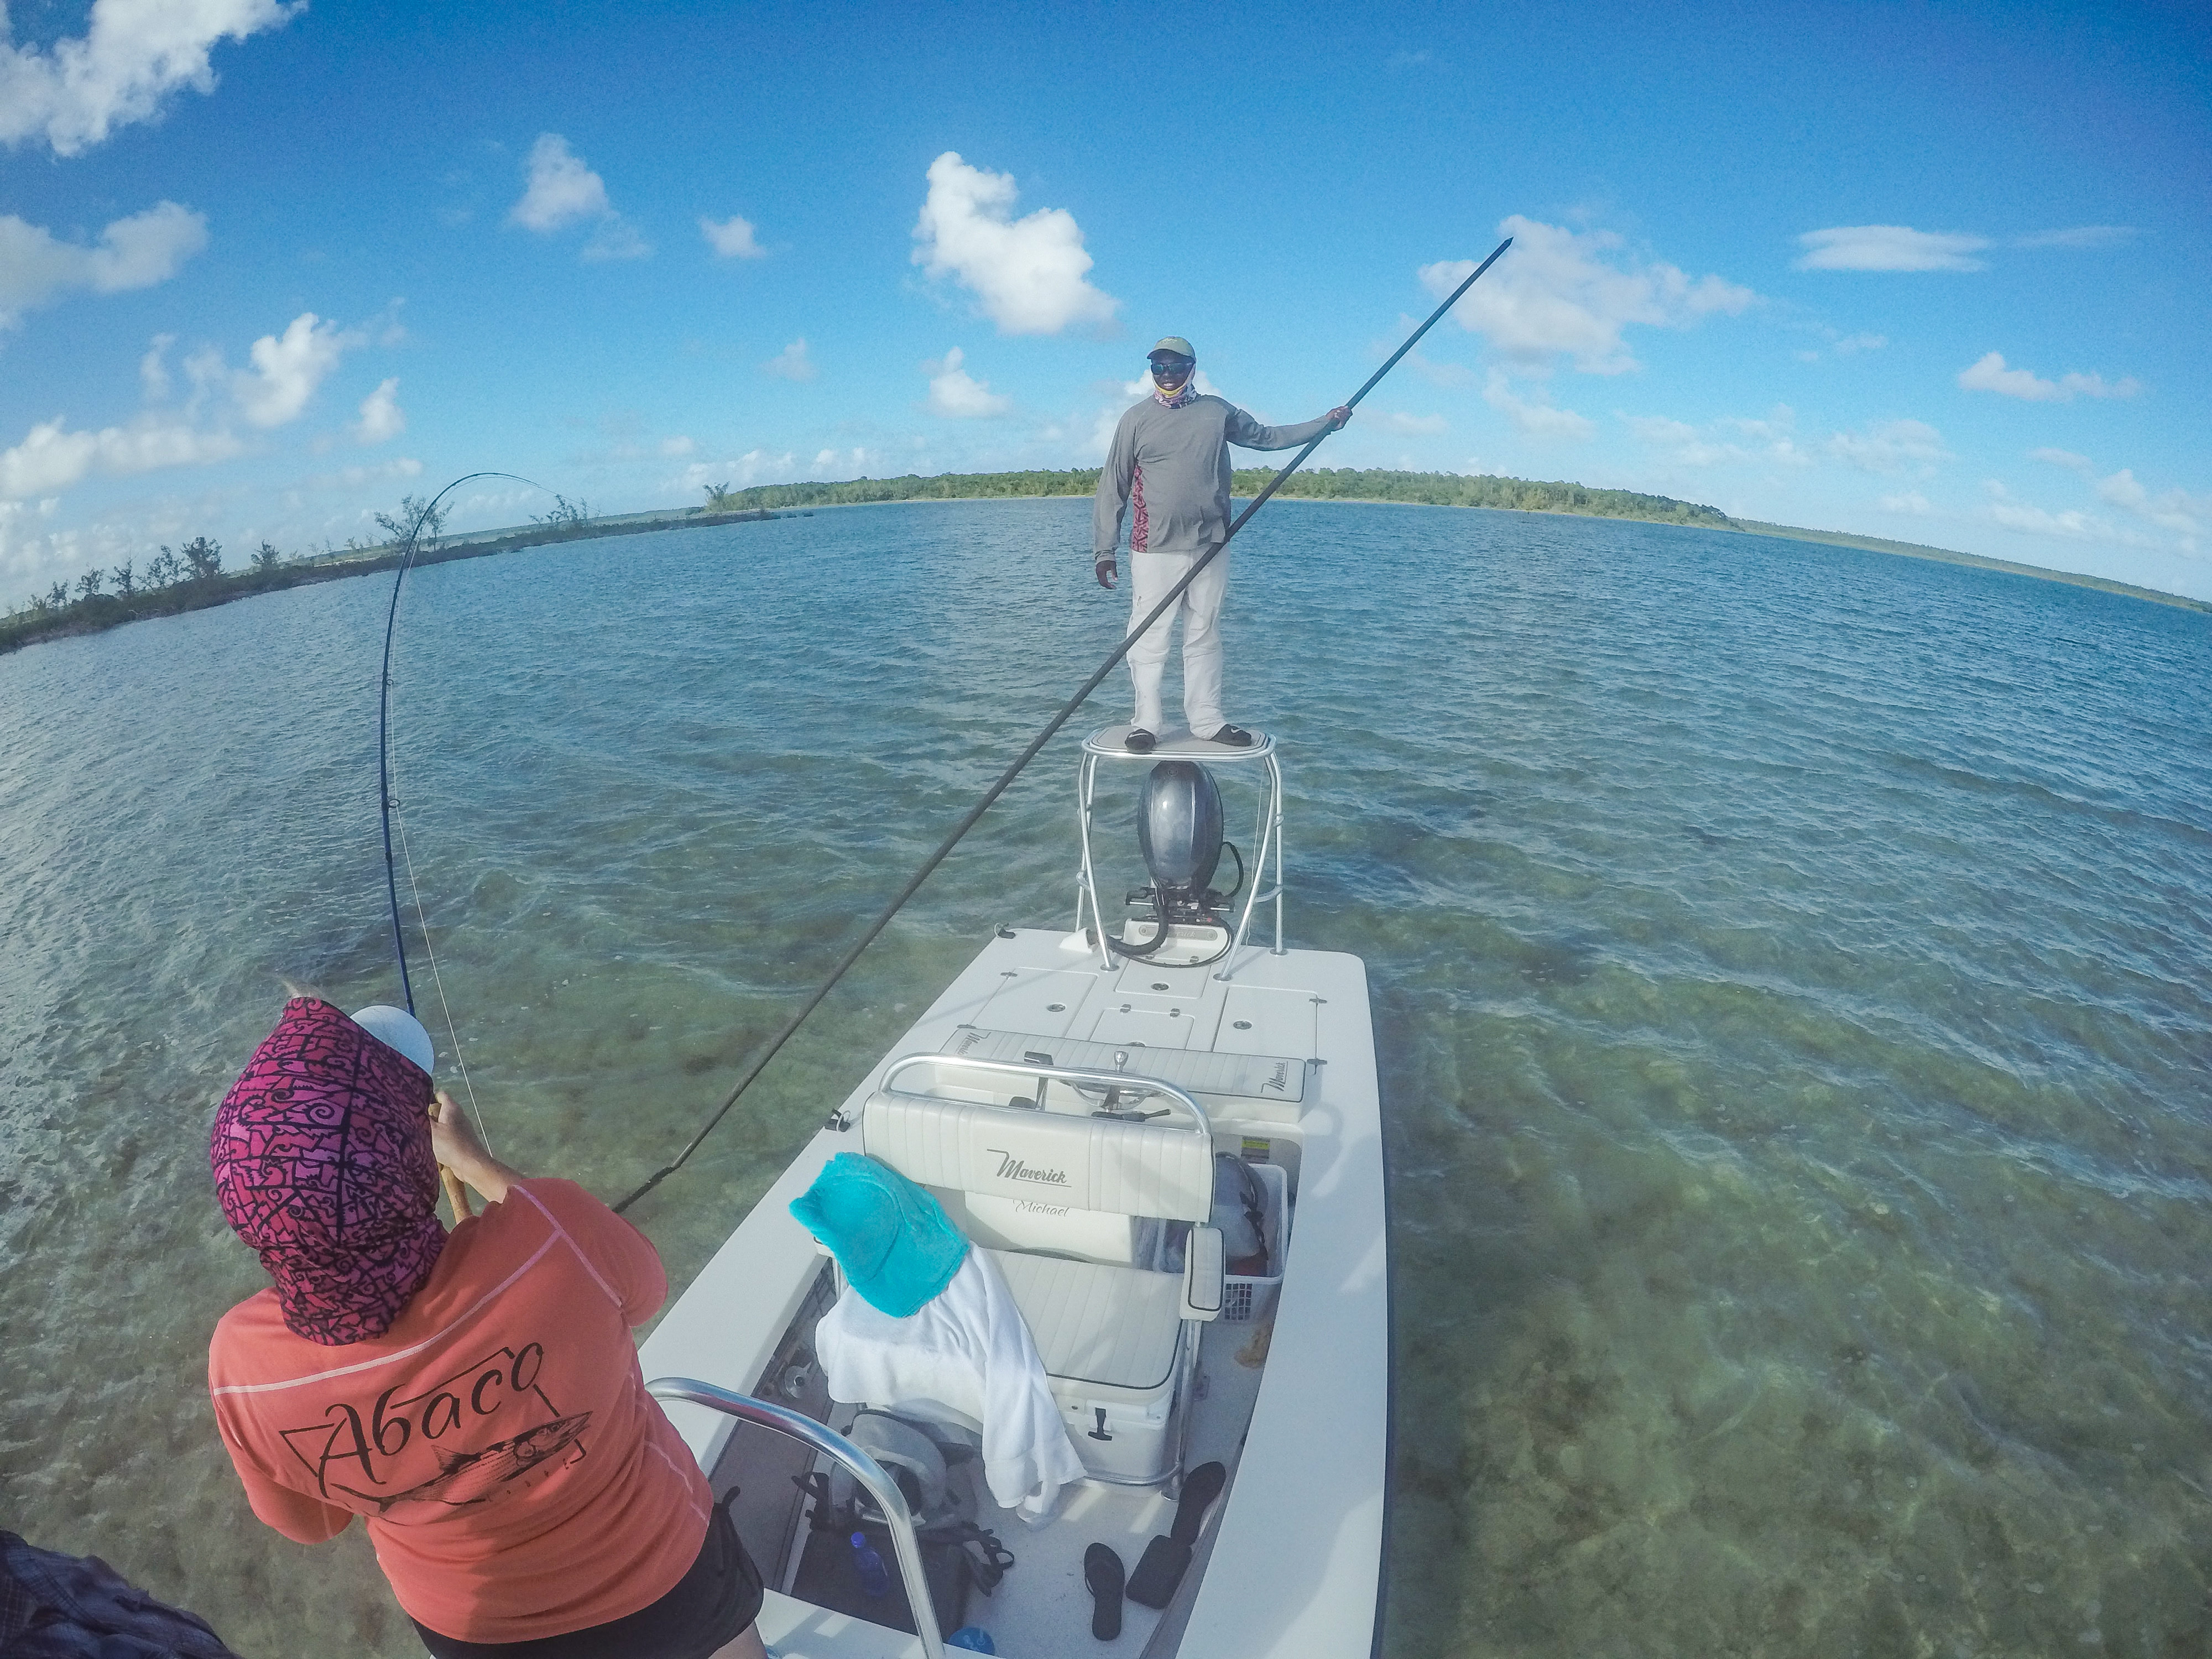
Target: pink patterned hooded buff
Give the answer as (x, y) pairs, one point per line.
(322, 1161)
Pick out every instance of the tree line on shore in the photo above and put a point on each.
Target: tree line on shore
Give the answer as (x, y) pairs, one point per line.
(1323, 484)
(194, 576)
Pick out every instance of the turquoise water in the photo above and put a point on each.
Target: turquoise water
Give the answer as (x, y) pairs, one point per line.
(1790, 971)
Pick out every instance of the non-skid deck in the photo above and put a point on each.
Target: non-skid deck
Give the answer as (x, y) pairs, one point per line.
(1289, 1565)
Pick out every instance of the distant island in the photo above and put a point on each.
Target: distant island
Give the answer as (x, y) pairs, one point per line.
(193, 577)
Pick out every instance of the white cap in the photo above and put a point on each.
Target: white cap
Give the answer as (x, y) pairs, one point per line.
(400, 1031)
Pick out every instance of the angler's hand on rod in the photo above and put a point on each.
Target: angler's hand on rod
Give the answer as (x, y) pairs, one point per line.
(1107, 568)
(460, 1151)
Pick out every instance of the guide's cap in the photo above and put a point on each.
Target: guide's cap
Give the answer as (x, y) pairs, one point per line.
(1175, 343)
(400, 1031)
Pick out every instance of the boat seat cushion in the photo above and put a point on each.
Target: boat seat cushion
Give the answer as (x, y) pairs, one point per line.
(1085, 1163)
(1094, 1324)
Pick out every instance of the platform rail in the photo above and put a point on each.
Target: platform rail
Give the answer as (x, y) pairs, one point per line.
(1268, 833)
(1076, 1076)
(826, 1441)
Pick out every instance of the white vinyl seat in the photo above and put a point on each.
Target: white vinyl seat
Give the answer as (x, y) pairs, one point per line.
(1048, 1194)
(1099, 1326)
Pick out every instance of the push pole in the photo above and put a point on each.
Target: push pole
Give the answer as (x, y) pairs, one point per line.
(1067, 711)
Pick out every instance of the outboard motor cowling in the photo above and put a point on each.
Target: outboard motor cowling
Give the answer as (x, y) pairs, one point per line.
(1179, 827)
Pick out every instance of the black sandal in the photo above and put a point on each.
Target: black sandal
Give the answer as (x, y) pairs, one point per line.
(1102, 1573)
(1139, 741)
(1235, 737)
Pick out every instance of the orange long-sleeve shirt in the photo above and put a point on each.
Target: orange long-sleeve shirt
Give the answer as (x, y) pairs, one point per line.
(516, 1479)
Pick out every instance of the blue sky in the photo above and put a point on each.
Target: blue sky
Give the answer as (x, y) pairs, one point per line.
(1931, 272)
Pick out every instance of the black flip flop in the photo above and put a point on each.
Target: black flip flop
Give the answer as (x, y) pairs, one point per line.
(1167, 1559)
(1102, 1573)
(1139, 741)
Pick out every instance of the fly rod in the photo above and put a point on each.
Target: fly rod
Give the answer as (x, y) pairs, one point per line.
(768, 1053)
(426, 514)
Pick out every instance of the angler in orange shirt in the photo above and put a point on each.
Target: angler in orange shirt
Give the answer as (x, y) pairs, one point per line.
(475, 1396)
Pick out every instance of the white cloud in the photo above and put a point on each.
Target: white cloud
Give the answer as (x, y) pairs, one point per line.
(1685, 445)
(1890, 446)
(2172, 509)
(1559, 291)
(1538, 419)
(1913, 503)
(131, 55)
(1851, 342)
(563, 192)
(791, 363)
(953, 391)
(1889, 247)
(139, 251)
(1990, 374)
(2079, 236)
(2072, 525)
(1028, 273)
(381, 419)
(733, 238)
(678, 448)
(2065, 458)
(153, 369)
(1411, 425)
(754, 466)
(353, 478)
(563, 189)
(288, 368)
(51, 457)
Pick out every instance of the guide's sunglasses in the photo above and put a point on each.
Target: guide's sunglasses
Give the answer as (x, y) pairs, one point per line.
(1170, 369)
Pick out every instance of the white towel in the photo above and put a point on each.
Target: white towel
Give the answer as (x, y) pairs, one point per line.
(969, 1349)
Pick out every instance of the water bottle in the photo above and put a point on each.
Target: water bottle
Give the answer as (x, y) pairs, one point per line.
(974, 1638)
(870, 1565)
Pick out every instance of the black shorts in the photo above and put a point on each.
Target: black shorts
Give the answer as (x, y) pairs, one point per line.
(717, 1600)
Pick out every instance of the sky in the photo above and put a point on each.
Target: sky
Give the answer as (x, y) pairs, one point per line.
(1932, 272)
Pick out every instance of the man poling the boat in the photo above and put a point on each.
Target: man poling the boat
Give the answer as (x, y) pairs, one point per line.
(1167, 472)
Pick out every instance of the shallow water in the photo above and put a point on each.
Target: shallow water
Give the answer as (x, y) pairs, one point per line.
(1790, 971)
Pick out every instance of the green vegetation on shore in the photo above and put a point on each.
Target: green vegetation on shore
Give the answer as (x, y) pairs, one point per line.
(1320, 483)
(194, 578)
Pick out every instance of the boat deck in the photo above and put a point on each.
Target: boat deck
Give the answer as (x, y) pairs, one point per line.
(1042, 1607)
(1289, 1562)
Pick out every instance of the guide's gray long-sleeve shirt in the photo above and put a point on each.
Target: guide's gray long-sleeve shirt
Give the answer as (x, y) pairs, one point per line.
(1171, 467)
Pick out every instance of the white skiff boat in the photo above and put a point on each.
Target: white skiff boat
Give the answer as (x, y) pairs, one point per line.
(1078, 1110)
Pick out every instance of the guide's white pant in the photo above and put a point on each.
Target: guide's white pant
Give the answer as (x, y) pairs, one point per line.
(1151, 576)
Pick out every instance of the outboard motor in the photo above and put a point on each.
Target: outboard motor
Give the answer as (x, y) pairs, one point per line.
(1179, 832)
(1179, 827)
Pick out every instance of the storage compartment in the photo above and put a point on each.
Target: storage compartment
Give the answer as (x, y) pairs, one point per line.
(1120, 1435)
(1249, 1297)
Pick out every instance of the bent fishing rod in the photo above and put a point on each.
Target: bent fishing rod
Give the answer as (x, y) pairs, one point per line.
(768, 1053)
(424, 515)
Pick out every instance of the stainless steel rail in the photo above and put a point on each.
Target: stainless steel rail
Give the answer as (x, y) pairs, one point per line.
(864, 1469)
(1136, 1082)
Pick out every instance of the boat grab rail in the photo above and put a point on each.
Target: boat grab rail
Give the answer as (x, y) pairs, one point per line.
(1135, 1082)
(781, 1419)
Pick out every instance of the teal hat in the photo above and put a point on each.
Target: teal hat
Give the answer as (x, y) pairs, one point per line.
(896, 1243)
